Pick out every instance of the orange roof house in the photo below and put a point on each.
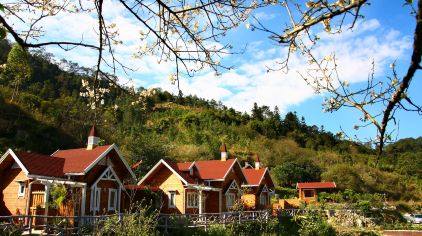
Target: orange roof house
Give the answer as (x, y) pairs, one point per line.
(209, 186)
(309, 191)
(259, 186)
(93, 177)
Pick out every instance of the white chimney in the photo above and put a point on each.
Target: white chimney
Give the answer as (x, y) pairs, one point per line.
(93, 140)
(223, 150)
(257, 162)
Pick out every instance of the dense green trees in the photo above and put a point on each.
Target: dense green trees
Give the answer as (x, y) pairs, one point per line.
(291, 172)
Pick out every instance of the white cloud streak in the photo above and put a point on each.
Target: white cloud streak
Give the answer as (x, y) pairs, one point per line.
(251, 83)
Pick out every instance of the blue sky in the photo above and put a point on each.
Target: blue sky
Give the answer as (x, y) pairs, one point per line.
(385, 36)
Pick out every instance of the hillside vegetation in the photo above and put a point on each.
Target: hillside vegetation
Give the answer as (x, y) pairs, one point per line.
(47, 112)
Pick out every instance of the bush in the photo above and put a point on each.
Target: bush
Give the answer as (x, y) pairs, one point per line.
(142, 222)
(10, 231)
(285, 193)
(315, 225)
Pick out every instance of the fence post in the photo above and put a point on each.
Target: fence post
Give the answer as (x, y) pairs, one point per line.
(224, 220)
(30, 225)
(46, 224)
(205, 223)
(166, 224)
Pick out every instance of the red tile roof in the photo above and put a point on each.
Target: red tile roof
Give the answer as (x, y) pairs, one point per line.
(316, 185)
(136, 165)
(77, 160)
(39, 164)
(182, 172)
(207, 170)
(214, 169)
(254, 177)
(60, 162)
(184, 166)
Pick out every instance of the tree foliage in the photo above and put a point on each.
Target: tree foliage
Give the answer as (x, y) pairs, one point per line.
(292, 172)
(17, 71)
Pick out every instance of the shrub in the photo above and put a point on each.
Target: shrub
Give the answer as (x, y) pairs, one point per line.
(284, 193)
(315, 225)
(10, 231)
(142, 222)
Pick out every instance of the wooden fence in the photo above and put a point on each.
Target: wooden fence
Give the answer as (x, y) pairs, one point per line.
(54, 225)
(169, 221)
(298, 212)
(85, 225)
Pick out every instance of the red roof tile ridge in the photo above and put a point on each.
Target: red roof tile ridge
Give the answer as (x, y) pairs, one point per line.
(253, 176)
(316, 185)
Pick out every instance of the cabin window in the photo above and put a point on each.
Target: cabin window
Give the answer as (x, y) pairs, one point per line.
(263, 200)
(172, 199)
(230, 199)
(193, 199)
(112, 199)
(308, 193)
(97, 199)
(21, 189)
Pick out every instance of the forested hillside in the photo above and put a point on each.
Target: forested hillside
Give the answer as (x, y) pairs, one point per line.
(44, 111)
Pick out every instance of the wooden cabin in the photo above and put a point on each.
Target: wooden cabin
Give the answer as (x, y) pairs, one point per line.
(209, 186)
(92, 178)
(308, 191)
(259, 187)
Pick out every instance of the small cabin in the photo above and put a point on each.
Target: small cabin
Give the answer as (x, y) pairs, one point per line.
(259, 186)
(308, 191)
(91, 180)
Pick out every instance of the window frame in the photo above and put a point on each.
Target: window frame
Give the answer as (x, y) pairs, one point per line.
(228, 196)
(110, 191)
(195, 199)
(21, 185)
(97, 199)
(262, 199)
(172, 204)
(312, 191)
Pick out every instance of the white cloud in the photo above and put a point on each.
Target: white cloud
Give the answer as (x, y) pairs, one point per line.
(262, 16)
(251, 83)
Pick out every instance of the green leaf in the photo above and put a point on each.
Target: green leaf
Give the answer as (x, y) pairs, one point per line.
(1, 7)
(408, 2)
(3, 33)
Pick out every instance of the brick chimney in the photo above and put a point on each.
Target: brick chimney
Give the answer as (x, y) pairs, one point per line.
(223, 150)
(93, 139)
(257, 162)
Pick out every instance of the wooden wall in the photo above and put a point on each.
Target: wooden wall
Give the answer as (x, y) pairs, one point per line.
(9, 188)
(211, 202)
(167, 181)
(308, 199)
